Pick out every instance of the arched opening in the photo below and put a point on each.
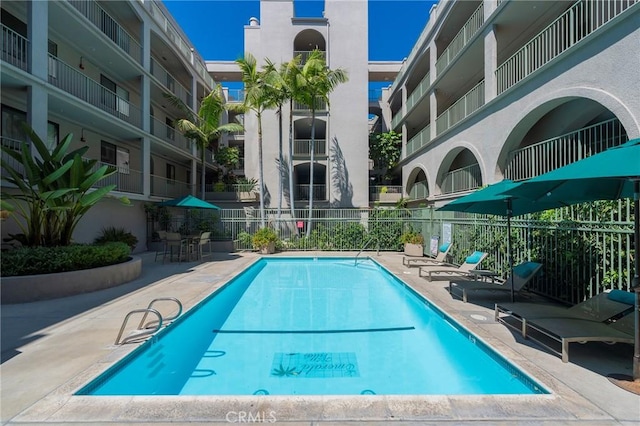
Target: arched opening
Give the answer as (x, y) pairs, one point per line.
(459, 172)
(307, 41)
(417, 185)
(302, 179)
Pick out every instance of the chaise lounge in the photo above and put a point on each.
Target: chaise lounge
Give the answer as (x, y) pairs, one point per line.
(463, 270)
(522, 275)
(440, 259)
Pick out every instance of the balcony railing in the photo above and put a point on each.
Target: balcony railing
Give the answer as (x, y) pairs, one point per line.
(174, 35)
(169, 81)
(302, 147)
(163, 187)
(419, 141)
(462, 179)
(385, 193)
(542, 157)
(462, 108)
(125, 179)
(66, 77)
(418, 92)
(304, 55)
(320, 107)
(169, 134)
(419, 191)
(15, 48)
(461, 39)
(235, 95)
(319, 192)
(16, 145)
(109, 26)
(582, 19)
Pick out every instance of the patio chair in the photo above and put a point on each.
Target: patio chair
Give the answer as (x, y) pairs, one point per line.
(570, 330)
(176, 242)
(163, 242)
(470, 263)
(602, 307)
(522, 274)
(198, 243)
(439, 259)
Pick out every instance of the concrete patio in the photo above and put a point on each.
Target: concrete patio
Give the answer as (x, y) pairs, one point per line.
(51, 349)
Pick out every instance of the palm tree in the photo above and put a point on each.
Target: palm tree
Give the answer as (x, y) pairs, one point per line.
(315, 81)
(204, 128)
(288, 73)
(258, 97)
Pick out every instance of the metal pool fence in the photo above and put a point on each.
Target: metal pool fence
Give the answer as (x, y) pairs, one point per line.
(584, 249)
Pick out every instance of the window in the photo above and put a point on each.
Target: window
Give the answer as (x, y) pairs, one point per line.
(171, 173)
(114, 97)
(108, 153)
(12, 120)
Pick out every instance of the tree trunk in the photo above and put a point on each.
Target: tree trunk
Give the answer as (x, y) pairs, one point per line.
(291, 187)
(280, 165)
(261, 167)
(312, 148)
(202, 178)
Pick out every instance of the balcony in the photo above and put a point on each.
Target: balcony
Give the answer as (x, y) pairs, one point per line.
(321, 106)
(109, 26)
(581, 20)
(169, 188)
(302, 148)
(304, 55)
(170, 135)
(548, 155)
(15, 49)
(462, 108)
(319, 192)
(385, 193)
(419, 191)
(66, 78)
(125, 179)
(462, 179)
(170, 83)
(16, 145)
(232, 192)
(419, 141)
(461, 39)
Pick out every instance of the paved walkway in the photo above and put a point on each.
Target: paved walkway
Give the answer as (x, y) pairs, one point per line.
(51, 349)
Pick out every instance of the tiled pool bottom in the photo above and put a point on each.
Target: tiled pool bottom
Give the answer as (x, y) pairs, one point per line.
(34, 390)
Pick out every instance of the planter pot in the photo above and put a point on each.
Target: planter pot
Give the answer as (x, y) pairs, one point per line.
(31, 288)
(268, 249)
(416, 250)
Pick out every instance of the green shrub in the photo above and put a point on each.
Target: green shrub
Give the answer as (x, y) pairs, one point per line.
(47, 260)
(117, 235)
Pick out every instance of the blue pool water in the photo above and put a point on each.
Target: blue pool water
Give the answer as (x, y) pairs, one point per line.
(305, 326)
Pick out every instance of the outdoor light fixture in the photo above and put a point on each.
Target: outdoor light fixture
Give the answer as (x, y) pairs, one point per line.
(82, 139)
(81, 66)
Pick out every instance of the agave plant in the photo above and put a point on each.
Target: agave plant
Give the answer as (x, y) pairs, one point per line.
(55, 189)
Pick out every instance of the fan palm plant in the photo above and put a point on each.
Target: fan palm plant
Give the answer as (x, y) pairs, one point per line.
(314, 82)
(205, 127)
(258, 97)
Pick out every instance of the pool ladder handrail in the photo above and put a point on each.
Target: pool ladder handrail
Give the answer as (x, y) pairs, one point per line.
(147, 331)
(365, 245)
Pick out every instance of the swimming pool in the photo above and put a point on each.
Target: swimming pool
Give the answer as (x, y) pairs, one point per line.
(313, 326)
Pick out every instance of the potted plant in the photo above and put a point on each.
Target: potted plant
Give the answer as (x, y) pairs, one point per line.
(413, 243)
(265, 240)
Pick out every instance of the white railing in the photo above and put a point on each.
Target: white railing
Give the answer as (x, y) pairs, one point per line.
(419, 91)
(420, 140)
(397, 118)
(302, 147)
(466, 33)
(419, 191)
(66, 77)
(169, 134)
(321, 106)
(462, 108)
(235, 95)
(15, 48)
(542, 157)
(109, 26)
(15, 145)
(319, 192)
(462, 179)
(304, 55)
(125, 179)
(170, 82)
(582, 19)
(163, 187)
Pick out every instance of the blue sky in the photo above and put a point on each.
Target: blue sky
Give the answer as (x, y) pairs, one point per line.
(216, 27)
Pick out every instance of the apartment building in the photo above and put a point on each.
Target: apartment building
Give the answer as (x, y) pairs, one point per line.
(99, 70)
(511, 89)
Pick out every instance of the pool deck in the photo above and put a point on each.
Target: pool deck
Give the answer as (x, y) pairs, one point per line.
(50, 349)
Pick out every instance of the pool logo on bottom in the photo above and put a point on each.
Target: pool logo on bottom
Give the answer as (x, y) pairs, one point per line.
(315, 365)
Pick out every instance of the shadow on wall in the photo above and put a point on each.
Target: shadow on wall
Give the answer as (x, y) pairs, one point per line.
(340, 177)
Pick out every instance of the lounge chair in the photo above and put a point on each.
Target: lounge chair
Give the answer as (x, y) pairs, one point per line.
(570, 330)
(440, 259)
(599, 308)
(522, 274)
(470, 263)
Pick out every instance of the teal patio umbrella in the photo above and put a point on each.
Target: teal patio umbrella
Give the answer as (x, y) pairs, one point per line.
(189, 202)
(492, 200)
(609, 175)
